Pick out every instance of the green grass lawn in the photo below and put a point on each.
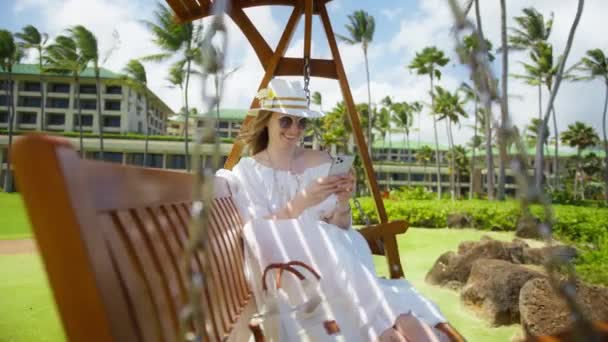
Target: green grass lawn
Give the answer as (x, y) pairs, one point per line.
(28, 311)
(13, 220)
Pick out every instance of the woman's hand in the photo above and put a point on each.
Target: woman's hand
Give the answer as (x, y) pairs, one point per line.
(346, 188)
(317, 192)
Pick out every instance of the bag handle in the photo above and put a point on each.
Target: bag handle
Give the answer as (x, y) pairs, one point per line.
(289, 267)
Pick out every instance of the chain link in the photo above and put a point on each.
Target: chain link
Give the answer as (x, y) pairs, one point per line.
(307, 79)
(213, 52)
(529, 194)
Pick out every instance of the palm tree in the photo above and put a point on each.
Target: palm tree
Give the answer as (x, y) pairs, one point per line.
(65, 57)
(559, 74)
(336, 127)
(87, 44)
(317, 99)
(428, 62)
(424, 155)
(458, 154)
(471, 94)
(504, 101)
(448, 106)
(10, 54)
(135, 77)
(581, 136)
(595, 66)
(181, 39)
(403, 117)
(361, 30)
(532, 133)
(31, 38)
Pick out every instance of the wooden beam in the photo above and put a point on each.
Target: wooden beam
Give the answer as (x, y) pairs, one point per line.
(352, 114)
(271, 68)
(290, 66)
(307, 28)
(259, 44)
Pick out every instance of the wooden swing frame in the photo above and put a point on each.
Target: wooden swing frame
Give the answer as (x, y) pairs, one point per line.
(276, 64)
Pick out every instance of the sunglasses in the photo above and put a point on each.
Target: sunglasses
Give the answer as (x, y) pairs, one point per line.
(285, 122)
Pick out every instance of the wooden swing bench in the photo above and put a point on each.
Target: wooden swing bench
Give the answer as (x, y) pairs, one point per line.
(111, 238)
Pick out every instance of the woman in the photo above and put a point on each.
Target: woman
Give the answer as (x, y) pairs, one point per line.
(294, 211)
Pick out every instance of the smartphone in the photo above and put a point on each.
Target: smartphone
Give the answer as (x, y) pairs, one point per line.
(341, 164)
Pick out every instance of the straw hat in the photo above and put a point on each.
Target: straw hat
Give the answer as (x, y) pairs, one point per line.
(286, 97)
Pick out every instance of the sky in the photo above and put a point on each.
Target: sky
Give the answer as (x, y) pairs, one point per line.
(403, 27)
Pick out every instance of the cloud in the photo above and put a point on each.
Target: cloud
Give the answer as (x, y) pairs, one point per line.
(392, 13)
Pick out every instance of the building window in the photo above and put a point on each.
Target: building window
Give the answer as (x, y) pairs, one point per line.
(88, 89)
(29, 101)
(223, 124)
(60, 88)
(112, 105)
(154, 160)
(135, 159)
(3, 100)
(31, 86)
(113, 157)
(27, 118)
(113, 90)
(176, 161)
(86, 104)
(87, 120)
(3, 117)
(58, 103)
(139, 127)
(56, 119)
(111, 121)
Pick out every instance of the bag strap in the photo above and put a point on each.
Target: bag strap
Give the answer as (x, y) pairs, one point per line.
(309, 268)
(281, 267)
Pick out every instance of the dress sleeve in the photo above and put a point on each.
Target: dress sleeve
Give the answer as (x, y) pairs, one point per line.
(252, 200)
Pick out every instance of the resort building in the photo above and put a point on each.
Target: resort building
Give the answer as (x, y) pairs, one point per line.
(122, 108)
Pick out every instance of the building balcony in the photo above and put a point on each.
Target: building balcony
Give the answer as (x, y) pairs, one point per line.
(111, 96)
(27, 126)
(55, 127)
(58, 95)
(29, 93)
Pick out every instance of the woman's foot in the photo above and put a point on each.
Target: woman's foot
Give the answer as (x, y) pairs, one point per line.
(414, 329)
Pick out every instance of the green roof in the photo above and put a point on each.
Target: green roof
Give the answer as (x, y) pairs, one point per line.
(33, 69)
(225, 114)
(400, 144)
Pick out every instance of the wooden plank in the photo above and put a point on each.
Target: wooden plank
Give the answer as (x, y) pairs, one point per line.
(255, 38)
(290, 66)
(307, 27)
(273, 64)
(352, 114)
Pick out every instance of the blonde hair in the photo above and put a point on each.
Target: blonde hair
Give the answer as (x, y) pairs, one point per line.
(255, 135)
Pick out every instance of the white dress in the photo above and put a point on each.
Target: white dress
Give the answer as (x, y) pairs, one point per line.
(341, 256)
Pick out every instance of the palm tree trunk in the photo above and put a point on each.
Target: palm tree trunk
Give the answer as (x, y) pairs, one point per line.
(187, 118)
(540, 100)
(474, 150)
(99, 118)
(451, 161)
(576, 172)
(538, 162)
(605, 145)
(8, 179)
(42, 93)
(77, 85)
(369, 106)
(436, 139)
(409, 164)
(487, 107)
(504, 103)
(556, 154)
(147, 116)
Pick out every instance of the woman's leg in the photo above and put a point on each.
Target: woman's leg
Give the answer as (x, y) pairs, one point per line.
(414, 329)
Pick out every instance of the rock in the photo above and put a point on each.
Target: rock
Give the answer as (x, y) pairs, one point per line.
(465, 246)
(544, 313)
(457, 220)
(452, 267)
(527, 227)
(493, 287)
(538, 256)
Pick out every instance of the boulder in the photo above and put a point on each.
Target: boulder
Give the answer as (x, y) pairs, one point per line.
(527, 227)
(457, 220)
(538, 256)
(542, 312)
(492, 290)
(456, 267)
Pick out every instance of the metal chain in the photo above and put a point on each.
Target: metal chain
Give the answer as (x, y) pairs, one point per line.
(213, 51)
(362, 213)
(307, 79)
(529, 194)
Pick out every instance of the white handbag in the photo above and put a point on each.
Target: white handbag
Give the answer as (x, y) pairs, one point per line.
(316, 319)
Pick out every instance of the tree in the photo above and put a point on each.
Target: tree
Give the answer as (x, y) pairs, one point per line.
(539, 157)
(424, 155)
(403, 117)
(87, 44)
(65, 57)
(135, 78)
(10, 54)
(176, 39)
(336, 127)
(471, 94)
(458, 154)
(581, 136)
(504, 102)
(448, 107)
(594, 66)
(361, 30)
(31, 38)
(532, 133)
(428, 62)
(317, 99)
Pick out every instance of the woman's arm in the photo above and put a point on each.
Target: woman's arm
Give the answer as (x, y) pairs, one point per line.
(314, 194)
(342, 216)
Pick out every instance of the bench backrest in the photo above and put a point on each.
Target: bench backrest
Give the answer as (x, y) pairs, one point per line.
(112, 239)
